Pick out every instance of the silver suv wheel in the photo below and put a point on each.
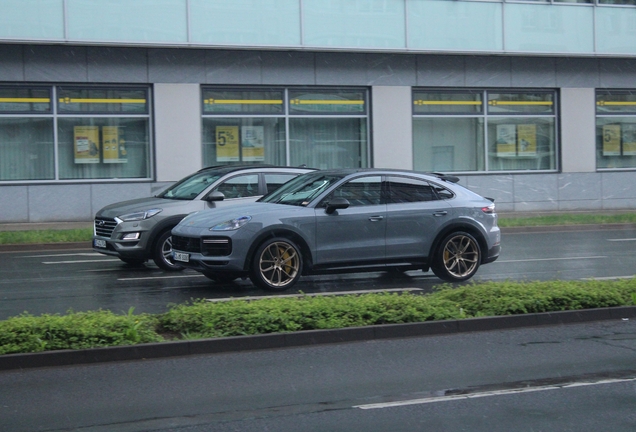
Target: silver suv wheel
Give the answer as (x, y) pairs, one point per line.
(162, 253)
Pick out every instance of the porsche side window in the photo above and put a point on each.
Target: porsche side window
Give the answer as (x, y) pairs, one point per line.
(406, 190)
(363, 191)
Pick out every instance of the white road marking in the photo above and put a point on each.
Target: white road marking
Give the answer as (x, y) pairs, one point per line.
(551, 259)
(627, 239)
(57, 255)
(79, 261)
(488, 394)
(316, 294)
(160, 277)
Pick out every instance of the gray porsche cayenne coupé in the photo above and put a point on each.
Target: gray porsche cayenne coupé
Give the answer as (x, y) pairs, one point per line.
(348, 220)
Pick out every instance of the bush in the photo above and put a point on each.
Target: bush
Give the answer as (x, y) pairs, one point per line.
(27, 333)
(203, 319)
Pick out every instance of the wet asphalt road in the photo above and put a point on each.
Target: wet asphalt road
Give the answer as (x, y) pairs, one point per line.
(55, 281)
(579, 377)
(576, 378)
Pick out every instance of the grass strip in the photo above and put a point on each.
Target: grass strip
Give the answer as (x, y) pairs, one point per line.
(46, 236)
(568, 219)
(202, 319)
(86, 234)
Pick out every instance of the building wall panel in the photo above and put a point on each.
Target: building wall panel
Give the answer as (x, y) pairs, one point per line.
(51, 63)
(176, 66)
(117, 65)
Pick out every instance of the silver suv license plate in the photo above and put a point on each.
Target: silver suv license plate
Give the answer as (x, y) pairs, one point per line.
(100, 243)
(183, 257)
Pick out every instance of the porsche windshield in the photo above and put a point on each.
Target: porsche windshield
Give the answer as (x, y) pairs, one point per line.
(303, 189)
(190, 187)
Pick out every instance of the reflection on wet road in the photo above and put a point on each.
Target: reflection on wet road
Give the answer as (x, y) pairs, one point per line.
(56, 281)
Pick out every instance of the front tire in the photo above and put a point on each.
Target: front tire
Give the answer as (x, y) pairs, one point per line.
(162, 252)
(457, 258)
(277, 265)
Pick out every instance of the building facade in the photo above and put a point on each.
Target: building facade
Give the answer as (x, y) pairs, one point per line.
(531, 103)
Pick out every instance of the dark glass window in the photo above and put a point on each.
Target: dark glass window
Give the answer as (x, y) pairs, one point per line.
(223, 101)
(102, 100)
(406, 190)
(25, 100)
(434, 102)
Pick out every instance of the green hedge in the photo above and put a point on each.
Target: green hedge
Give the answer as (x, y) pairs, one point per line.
(203, 319)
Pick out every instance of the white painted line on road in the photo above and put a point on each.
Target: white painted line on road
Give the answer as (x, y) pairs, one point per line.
(57, 255)
(160, 277)
(315, 294)
(609, 277)
(79, 261)
(488, 394)
(627, 239)
(551, 259)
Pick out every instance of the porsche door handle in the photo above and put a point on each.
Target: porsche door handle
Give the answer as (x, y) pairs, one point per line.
(440, 213)
(376, 218)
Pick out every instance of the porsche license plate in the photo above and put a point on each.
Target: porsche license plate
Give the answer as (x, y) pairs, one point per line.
(180, 256)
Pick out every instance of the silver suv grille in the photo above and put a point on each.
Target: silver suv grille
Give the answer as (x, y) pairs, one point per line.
(104, 226)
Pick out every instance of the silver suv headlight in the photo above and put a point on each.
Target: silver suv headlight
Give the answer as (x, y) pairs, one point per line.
(137, 216)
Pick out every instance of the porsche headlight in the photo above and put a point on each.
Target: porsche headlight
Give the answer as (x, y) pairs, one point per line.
(232, 225)
(137, 216)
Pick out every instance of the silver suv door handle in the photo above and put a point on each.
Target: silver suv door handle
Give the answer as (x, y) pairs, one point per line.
(440, 213)
(375, 218)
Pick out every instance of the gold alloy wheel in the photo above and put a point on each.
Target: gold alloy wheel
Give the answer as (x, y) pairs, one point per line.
(461, 256)
(279, 264)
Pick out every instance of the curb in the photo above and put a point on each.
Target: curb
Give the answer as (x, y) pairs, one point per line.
(307, 338)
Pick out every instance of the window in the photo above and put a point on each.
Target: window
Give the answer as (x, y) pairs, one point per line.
(616, 129)
(484, 130)
(27, 150)
(70, 133)
(274, 181)
(364, 191)
(408, 190)
(317, 127)
(241, 186)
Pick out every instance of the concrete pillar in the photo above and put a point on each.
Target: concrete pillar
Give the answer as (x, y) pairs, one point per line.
(392, 123)
(178, 148)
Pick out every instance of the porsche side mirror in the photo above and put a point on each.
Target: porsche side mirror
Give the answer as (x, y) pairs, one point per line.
(336, 204)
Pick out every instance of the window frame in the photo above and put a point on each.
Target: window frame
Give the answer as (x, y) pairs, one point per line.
(599, 145)
(287, 116)
(488, 117)
(54, 115)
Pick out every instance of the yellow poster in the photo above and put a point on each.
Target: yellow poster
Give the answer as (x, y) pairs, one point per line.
(227, 144)
(86, 144)
(253, 143)
(629, 139)
(506, 140)
(612, 140)
(527, 139)
(113, 146)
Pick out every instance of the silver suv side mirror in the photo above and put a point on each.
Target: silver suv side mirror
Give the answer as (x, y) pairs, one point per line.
(214, 196)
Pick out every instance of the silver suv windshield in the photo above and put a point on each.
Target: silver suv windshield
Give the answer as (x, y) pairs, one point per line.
(190, 187)
(301, 190)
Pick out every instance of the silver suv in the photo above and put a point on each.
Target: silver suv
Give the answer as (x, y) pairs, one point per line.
(138, 230)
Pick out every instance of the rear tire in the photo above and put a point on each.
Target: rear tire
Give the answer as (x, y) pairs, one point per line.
(457, 258)
(277, 265)
(162, 252)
